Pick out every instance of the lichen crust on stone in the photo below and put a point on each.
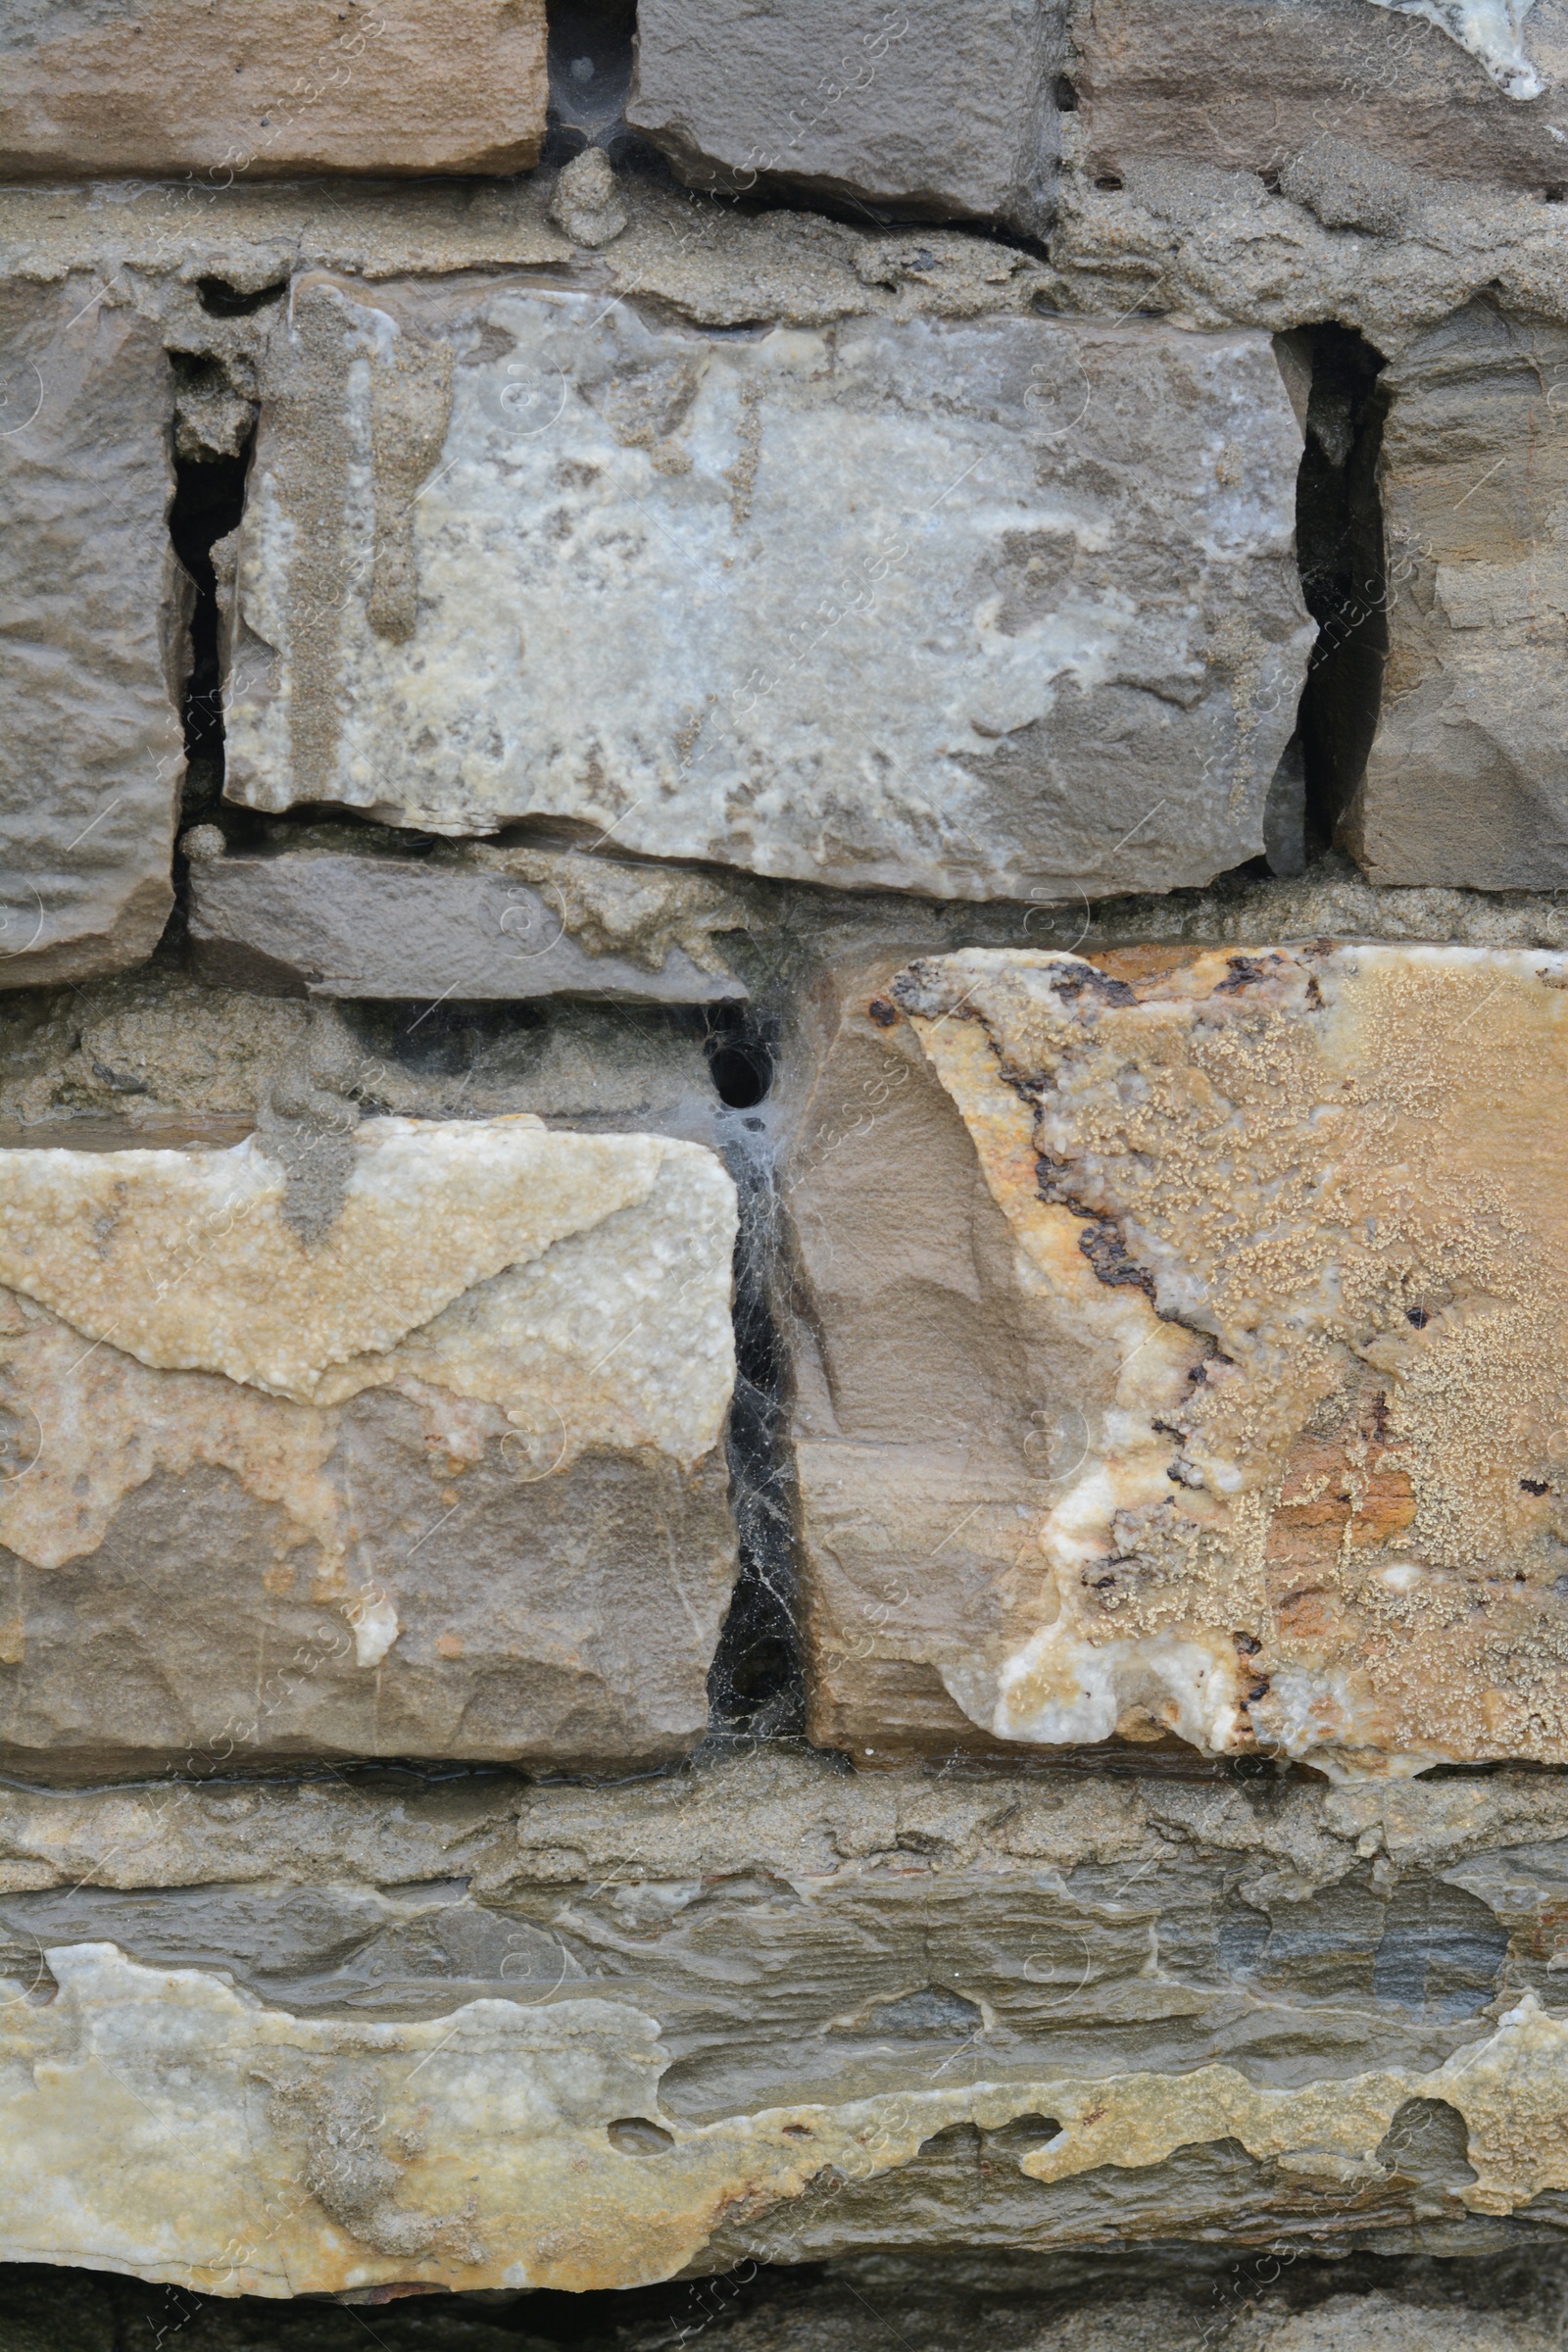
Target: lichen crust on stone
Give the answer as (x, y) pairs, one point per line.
(1296, 1212)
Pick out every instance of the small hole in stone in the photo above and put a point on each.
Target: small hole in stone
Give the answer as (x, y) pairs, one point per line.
(796, 2130)
(635, 2135)
(1109, 181)
(220, 299)
(740, 1075)
(1534, 1486)
(1556, 194)
(1419, 1316)
(1272, 181)
(1065, 96)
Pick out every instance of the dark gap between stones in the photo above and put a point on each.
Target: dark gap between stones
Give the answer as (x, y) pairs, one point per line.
(208, 502)
(757, 1687)
(1339, 540)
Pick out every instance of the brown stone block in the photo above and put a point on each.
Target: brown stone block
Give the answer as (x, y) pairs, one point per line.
(256, 87)
(1350, 105)
(1181, 1352)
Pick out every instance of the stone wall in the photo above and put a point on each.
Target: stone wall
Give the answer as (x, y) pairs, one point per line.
(783, 1286)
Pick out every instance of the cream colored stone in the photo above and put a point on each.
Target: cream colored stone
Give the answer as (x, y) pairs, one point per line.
(269, 86)
(1276, 1310)
(157, 2121)
(539, 1313)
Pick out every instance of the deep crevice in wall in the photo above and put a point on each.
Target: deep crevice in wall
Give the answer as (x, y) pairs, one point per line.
(208, 502)
(757, 1684)
(1338, 539)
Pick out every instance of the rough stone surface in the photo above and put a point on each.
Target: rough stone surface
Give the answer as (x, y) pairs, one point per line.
(397, 1441)
(1211, 248)
(157, 1057)
(856, 2008)
(477, 923)
(926, 108)
(997, 608)
(1347, 101)
(90, 747)
(1234, 1298)
(269, 86)
(1467, 778)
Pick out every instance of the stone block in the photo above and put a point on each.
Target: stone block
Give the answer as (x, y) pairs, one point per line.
(1466, 782)
(92, 602)
(1180, 1354)
(335, 2035)
(926, 110)
(1350, 107)
(473, 924)
(984, 607)
(401, 1438)
(271, 87)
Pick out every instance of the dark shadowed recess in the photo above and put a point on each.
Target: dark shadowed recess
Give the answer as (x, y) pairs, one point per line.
(208, 502)
(1339, 547)
(1007, 2301)
(1338, 539)
(757, 1685)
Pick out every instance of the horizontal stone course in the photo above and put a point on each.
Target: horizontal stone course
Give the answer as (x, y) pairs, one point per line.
(822, 1996)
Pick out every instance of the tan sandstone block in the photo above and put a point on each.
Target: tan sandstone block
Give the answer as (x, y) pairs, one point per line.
(1210, 1380)
(412, 1450)
(1352, 106)
(252, 87)
(1467, 778)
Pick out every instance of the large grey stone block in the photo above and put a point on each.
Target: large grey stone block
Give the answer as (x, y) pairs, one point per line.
(91, 753)
(402, 1439)
(928, 107)
(995, 606)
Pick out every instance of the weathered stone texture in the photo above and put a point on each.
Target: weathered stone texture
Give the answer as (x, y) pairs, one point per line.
(930, 108)
(1231, 1289)
(155, 1056)
(1467, 779)
(1003, 608)
(404, 1440)
(267, 86)
(91, 745)
(475, 923)
(475, 2034)
(1344, 104)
